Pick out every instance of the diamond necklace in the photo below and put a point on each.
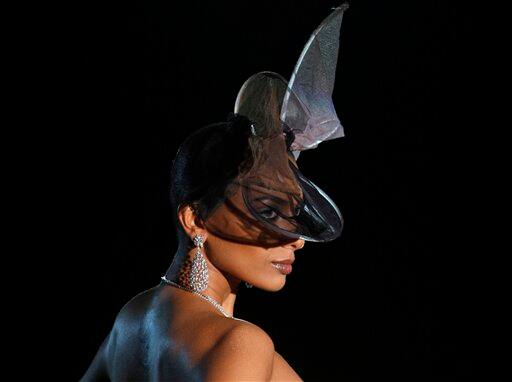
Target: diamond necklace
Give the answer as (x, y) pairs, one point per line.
(203, 296)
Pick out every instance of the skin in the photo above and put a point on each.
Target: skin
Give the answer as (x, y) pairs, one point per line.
(166, 333)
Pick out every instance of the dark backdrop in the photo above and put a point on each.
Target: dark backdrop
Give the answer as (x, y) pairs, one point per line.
(383, 300)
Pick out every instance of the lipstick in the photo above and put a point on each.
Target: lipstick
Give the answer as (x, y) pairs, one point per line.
(285, 266)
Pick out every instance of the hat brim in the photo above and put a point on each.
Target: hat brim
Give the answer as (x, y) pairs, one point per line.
(314, 217)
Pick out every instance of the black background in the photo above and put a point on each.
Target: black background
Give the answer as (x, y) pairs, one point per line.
(389, 298)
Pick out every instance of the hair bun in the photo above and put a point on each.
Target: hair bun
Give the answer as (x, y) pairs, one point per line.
(238, 123)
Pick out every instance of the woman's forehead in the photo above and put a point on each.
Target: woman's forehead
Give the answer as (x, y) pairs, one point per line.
(282, 190)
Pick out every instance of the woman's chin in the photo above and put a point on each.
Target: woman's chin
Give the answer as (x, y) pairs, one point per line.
(272, 285)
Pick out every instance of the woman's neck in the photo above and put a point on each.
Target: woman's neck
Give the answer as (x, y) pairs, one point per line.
(221, 287)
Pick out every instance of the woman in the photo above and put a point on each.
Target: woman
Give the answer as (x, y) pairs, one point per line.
(242, 210)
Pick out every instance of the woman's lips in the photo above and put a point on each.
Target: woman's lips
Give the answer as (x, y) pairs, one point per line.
(282, 267)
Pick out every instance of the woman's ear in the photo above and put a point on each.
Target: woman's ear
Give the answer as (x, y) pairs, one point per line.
(189, 221)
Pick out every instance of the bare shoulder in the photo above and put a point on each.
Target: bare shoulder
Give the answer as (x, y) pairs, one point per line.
(245, 332)
(244, 352)
(282, 371)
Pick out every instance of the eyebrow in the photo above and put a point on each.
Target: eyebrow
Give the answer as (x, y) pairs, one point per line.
(274, 198)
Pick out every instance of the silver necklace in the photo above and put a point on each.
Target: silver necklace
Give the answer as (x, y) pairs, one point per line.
(203, 296)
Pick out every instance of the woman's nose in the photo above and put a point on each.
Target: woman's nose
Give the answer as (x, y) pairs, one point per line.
(296, 244)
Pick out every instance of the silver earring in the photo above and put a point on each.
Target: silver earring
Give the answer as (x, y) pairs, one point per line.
(199, 273)
(247, 284)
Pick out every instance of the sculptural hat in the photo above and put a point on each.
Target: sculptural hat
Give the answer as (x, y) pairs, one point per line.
(280, 119)
(288, 117)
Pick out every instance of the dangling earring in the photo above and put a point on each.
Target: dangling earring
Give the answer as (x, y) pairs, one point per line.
(198, 281)
(247, 284)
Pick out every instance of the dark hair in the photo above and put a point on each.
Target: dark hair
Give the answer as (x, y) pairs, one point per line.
(205, 166)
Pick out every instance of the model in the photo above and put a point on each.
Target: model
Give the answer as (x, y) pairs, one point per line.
(243, 209)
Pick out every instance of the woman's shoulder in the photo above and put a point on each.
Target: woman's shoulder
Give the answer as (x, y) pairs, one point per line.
(244, 351)
(137, 305)
(237, 332)
(245, 331)
(247, 352)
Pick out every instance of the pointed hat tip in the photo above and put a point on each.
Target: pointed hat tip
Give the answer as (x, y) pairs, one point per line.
(342, 6)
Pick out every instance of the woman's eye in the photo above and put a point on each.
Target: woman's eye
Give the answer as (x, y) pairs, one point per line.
(268, 214)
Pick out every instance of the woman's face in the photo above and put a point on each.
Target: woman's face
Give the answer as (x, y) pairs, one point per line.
(239, 245)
